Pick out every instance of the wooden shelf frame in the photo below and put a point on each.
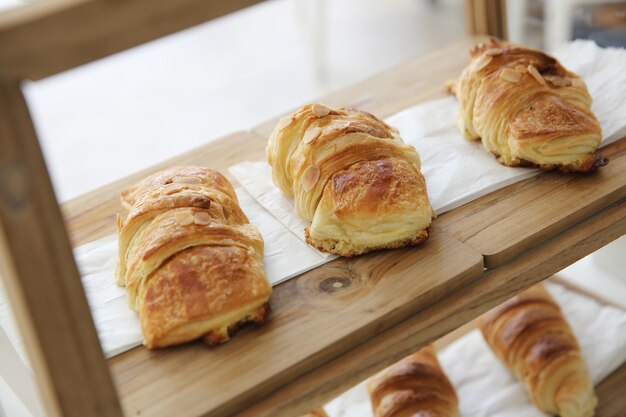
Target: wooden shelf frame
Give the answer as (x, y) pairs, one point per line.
(42, 280)
(43, 283)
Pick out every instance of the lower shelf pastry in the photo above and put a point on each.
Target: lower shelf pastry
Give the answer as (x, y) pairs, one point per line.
(353, 177)
(528, 109)
(414, 386)
(189, 259)
(531, 337)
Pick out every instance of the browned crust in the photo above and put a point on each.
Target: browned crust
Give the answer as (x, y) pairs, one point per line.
(588, 165)
(217, 337)
(413, 386)
(330, 246)
(546, 102)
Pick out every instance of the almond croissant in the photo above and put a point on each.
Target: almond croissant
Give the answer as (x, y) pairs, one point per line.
(528, 109)
(353, 177)
(191, 262)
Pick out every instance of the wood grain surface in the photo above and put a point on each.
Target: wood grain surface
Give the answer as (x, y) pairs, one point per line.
(46, 37)
(315, 317)
(448, 314)
(41, 278)
(510, 221)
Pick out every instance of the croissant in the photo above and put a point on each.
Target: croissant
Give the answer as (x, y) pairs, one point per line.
(529, 334)
(528, 109)
(353, 177)
(414, 386)
(191, 263)
(318, 412)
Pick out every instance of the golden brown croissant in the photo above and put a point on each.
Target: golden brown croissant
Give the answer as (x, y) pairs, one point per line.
(318, 412)
(191, 262)
(353, 177)
(528, 109)
(529, 334)
(414, 386)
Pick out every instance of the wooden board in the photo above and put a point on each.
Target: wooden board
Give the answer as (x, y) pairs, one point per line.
(315, 317)
(458, 308)
(319, 315)
(508, 222)
(46, 37)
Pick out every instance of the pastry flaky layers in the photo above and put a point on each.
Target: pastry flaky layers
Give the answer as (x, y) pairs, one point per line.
(353, 177)
(414, 386)
(530, 335)
(528, 109)
(318, 412)
(191, 262)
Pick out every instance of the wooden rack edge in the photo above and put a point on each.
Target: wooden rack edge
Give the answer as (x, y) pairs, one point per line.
(38, 267)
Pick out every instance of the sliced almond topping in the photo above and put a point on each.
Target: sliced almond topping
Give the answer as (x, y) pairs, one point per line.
(520, 68)
(320, 110)
(493, 51)
(184, 218)
(559, 81)
(284, 122)
(202, 218)
(482, 62)
(310, 177)
(187, 180)
(173, 189)
(311, 134)
(510, 75)
(533, 71)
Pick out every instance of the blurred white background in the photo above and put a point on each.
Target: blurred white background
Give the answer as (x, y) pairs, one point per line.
(111, 118)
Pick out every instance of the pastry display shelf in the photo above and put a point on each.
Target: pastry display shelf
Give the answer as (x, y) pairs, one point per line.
(331, 327)
(335, 325)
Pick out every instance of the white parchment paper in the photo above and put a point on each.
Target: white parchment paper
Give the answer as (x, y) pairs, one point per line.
(485, 386)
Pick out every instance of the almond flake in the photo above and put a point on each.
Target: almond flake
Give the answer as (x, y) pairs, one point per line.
(510, 75)
(311, 134)
(187, 180)
(184, 218)
(202, 218)
(319, 110)
(284, 122)
(482, 62)
(533, 71)
(493, 51)
(310, 177)
(559, 81)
